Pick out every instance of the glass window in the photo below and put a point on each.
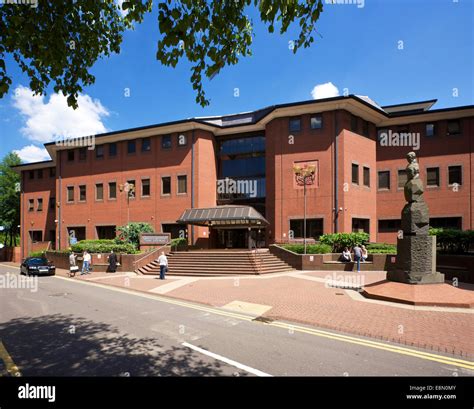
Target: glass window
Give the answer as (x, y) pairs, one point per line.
(99, 191)
(243, 145)
(314, 228)
(384, 179)
(366, 176)
(430, 129)
(353, 123)
(316, 122)
(132, 188)
(145, 187)
(99, 151)
(455, 175)
(182, 184)
(40, 205)
(82, 193)
(402, 178)
(70, 193)
(52, 203)
(382, 133)
(454, 127)
(146, 144)
(40, 173)
(52, 172)
(70, 155)
(446, 222)
(166, 141)
(166, 185)
(131, 147)
(31, 174)
(112, 149)
(182, 140)
(243, 167)
(82, 153)
(112, 190)
(365, 128)
(295, 124)
(432, 176)
(31, 205)
(355, 173)
(390, 226)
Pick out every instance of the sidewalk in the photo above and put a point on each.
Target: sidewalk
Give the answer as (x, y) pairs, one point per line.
(304, 297)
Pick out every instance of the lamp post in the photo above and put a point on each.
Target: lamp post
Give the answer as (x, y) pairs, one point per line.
(304, 175)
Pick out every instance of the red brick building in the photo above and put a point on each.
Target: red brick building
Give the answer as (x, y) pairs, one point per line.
(358, 150)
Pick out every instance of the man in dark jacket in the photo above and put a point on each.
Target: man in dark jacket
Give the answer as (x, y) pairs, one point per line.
(112, 262)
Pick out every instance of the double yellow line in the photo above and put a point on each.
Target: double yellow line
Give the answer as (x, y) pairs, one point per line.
(10, 366)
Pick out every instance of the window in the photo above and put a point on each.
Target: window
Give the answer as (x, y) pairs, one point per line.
(314, 228)
(175, 229)
(360, 225)
(182, 184)
(52, 203)
(70, 193)
(432, 176)
(446, 222)
(402, 178)
(112, 149)
(454, 175)
(31, 205)
(40, 173)
(384, 179)
(366, 176)
(146, 144)
(382, 134)
(365, 128)
(353, 123)
(166, 185)
(390, 226)
(454, 127)
(182, 140)
(132, 188)
(40, 205)
(99, 152)
(166, 141)
(131, 147)
(82, 193)
(430, 129)
(31, 174)
(36, 236)
(52, 172)
(105, 232)
(355, 173)
(99, 191)
(316, 122)
(145, 187)
(70, 155)
(112, 190)
(295, 124)
(82, 153)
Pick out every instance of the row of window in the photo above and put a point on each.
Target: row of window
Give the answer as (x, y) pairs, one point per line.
(432, 177)
(394, 225)
(358, 125)
(39, 204)
(130, 188)
(431, 128)
(365, 175)
(39, 173)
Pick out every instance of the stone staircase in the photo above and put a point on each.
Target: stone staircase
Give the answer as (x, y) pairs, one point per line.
(207, 263)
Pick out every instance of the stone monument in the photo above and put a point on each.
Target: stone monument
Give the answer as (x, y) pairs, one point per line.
(416, 249)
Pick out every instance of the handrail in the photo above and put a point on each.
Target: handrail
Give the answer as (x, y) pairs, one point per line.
(148, 254)
(255, 253)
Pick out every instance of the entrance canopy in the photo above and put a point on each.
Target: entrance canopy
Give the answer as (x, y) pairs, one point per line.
(224, 216)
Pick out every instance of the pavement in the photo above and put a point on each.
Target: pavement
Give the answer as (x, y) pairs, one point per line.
(330, 300)
(85, 326)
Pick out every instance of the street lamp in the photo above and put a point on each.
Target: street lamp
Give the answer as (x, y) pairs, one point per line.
(304, 175)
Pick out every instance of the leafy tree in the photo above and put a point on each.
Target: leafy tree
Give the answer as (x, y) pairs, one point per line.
(9, 198)
(130, 233)
(58, 42)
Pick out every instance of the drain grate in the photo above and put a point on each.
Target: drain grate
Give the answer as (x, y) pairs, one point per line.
(58, 295)
(265, 320)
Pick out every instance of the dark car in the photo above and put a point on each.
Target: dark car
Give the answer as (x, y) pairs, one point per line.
(38, 266)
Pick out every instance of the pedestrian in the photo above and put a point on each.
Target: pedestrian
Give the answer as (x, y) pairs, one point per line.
(357, 256)
(73, 268)
(365, 253)
(163, 265)
(112, 262)
(346, 255)
(86, 263)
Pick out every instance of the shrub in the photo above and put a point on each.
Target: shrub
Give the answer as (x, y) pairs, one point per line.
(103, 246)
(453, 241)
(130, 233)
(36, 254)
(338, 241)
(179, 242)
(381, 248)
(310, 248)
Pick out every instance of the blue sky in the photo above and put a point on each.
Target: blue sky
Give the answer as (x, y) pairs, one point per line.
(358, 50)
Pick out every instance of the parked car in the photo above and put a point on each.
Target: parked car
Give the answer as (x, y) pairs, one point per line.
(38, 266)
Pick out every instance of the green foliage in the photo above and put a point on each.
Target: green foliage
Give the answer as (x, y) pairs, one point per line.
(103, 246)
(130, 233)
(9, 197)
(338, 241)
(36, 254)
(310, 248)
(59, 41)
(381, 248)
(179, 242)
(452, 240)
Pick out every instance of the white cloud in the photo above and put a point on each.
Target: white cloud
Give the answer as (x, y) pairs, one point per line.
(54, 119)
(326, 90)
(32, 153)
(121, 11)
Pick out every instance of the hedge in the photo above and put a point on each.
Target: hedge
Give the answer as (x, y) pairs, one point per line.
(36, 254)
(453, 241)
(310, 248)
(381, 248)
(338, 241)
(103, 246)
